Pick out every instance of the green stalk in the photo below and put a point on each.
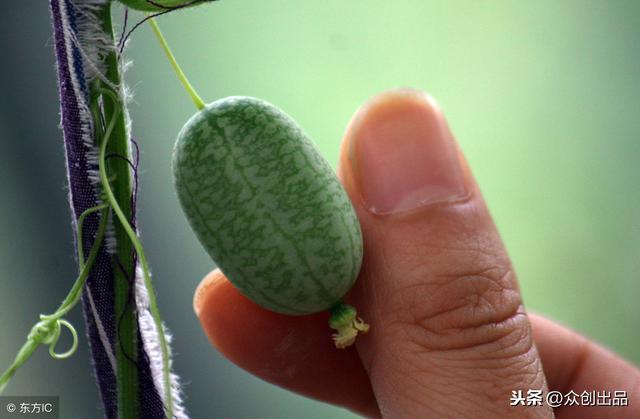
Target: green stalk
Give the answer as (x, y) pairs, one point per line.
(195, 97)
(126, 336)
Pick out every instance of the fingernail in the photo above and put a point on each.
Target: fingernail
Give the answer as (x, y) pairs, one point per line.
(403, 153)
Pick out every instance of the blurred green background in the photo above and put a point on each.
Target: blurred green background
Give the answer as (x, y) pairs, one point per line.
(543, 97)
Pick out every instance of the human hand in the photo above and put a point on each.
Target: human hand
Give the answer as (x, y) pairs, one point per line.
(449, 334)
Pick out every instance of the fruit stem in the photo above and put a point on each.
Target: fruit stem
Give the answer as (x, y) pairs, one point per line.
(343, 319)
(197, 100)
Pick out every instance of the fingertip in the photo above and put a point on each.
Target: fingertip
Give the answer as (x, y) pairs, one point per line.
(203, 291)
(227, 317)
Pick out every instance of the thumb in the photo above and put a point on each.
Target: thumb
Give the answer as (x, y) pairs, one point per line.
(449, 335)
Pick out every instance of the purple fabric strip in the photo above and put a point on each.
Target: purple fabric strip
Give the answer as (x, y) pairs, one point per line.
(98, 297)
(82, 195)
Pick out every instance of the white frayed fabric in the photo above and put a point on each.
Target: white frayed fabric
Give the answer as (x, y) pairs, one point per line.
(151, 343)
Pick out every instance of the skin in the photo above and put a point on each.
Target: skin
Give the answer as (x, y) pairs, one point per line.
(449, 335)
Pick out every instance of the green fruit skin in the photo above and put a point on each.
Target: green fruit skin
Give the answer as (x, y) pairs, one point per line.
(266, 206)
(145, 6)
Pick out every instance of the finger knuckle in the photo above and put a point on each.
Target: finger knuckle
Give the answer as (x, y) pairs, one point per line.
(478, 307)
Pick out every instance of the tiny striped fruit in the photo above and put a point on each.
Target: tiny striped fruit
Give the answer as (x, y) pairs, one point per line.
(159, 5)
(269, 210)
